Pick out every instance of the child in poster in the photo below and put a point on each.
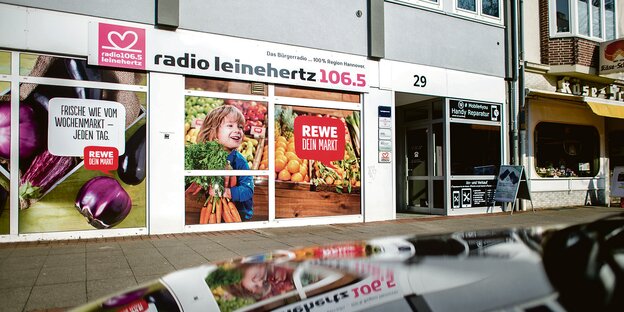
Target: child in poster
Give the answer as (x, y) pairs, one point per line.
(224, 124)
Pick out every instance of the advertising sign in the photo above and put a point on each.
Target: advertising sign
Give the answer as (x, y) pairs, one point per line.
(612, 57)
(201, 54)
(511, 184)
(74, 124)
(474, 111)
(617, 182)
(86, 165)
(121, 46)
(471, 193)
(316, 168)
(319, 138)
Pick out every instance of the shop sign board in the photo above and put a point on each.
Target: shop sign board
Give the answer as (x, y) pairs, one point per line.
(200, 54)
(469, 110)
(612, 57)
(617, 182)
(579, 87)
(471, 193)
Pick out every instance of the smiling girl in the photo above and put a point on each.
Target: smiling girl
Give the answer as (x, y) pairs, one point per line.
(224, 124)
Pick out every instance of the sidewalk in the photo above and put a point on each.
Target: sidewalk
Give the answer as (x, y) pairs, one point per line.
(58, 275)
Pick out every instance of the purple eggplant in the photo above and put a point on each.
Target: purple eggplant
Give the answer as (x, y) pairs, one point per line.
(45, 170)
(32, 133)
(132, 163)
(104, 202)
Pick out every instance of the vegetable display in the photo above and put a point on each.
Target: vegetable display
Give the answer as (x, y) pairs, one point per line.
(103, 202)
(132, 164)
(343, 175)
(288, 166)
(210, 156)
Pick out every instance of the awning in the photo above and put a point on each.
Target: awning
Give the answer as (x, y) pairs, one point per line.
(606, 110)
(600, 107)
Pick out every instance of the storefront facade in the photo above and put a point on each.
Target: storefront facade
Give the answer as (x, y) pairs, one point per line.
(120, 118)
(572, 113)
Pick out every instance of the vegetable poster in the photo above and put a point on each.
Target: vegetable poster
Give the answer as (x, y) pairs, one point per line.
(82, 151)
(225, 135)
(317, 162)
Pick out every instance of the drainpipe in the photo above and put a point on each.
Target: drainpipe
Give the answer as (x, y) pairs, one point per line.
(522, 94)
(511, 77)
(512, 80)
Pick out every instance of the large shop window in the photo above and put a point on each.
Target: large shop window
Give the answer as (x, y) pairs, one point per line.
(587, 15)
(81, 155)
(563, 150)
(315, 152)
(475, 149)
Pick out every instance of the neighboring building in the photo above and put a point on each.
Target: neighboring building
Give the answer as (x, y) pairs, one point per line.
(572, 116)
(420, 84)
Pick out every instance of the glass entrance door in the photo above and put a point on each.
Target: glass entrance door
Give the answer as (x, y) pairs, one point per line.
(425, 169)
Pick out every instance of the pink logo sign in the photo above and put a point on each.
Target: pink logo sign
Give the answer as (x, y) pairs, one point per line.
(121, 46)
(319, 138)
(101, 158)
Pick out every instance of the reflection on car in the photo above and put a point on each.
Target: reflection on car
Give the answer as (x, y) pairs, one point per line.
(575, 268)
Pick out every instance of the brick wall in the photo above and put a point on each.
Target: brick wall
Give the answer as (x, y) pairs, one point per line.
(564, 51)
(567, 198)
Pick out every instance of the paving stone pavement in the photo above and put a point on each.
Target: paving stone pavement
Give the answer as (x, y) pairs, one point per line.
(59, 275)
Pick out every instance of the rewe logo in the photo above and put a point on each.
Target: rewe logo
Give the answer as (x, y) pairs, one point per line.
(121, 46)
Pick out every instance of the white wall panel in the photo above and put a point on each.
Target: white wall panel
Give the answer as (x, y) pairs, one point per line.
(166, 162)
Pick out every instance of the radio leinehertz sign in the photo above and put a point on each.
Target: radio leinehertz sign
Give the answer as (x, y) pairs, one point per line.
(121, 46)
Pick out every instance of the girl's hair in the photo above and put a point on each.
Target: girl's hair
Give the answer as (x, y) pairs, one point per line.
(237, 288)
(213, 120)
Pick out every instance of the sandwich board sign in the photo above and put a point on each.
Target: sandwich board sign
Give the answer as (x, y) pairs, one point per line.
(511, 183)
(617, 182)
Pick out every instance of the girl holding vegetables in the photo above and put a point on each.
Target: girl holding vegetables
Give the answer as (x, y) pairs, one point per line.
(224, 124)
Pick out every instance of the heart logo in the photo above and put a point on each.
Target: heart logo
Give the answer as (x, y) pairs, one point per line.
(124, 41)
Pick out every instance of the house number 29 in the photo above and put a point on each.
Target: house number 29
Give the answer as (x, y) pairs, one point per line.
(420, 81)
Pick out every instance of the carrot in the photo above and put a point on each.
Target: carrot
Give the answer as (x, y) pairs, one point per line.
(232, 181)
(209, 211)
(227, 216)
(226, 182)
(213, 218)
(234, 211)
(219, 213)
(202, 215)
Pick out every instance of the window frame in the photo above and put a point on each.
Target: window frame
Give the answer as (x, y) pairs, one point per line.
(425, 3)
(478, 13)
(574, 21)
(594, 162)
